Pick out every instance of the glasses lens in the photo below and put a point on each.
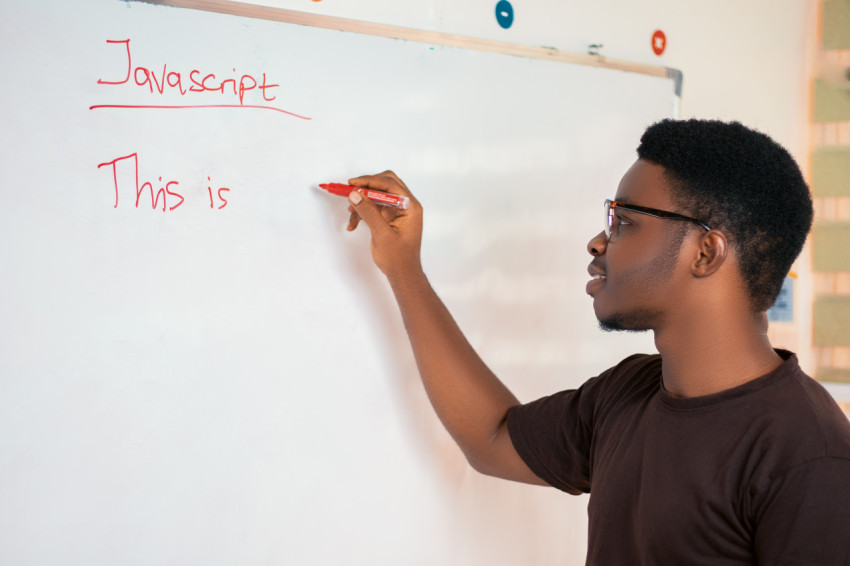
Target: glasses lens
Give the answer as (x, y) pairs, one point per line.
(608, 218)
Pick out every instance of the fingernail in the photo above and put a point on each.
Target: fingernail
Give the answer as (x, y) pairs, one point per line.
(355, 197)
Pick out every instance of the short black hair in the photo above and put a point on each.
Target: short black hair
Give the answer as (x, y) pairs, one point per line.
(740, 181)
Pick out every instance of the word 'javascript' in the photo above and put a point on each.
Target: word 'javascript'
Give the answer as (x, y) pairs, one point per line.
(174, 81)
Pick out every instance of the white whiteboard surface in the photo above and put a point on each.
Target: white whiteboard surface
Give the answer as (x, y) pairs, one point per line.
(232, 385)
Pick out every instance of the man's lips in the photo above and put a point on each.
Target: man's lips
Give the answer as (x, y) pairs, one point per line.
(597, 279)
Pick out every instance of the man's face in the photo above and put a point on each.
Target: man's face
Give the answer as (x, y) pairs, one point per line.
(634, 280)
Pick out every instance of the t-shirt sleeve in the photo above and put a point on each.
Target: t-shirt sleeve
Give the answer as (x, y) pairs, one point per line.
(805, 515)
(553, 436)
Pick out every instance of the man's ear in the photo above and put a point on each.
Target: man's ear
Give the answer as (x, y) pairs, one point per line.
(711, 253)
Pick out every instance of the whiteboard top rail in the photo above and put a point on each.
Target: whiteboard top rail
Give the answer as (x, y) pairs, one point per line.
(423, 36)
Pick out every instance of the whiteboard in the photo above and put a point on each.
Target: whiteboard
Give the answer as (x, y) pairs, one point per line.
(227, 380)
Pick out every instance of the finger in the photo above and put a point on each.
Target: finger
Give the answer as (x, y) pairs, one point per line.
(389, 214)
(353, 219)
(368, 212)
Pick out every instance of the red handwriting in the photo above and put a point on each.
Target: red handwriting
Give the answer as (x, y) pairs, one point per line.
(173, 79)
(169, 80)
(185, 106)
(219, 194)
(165, 190)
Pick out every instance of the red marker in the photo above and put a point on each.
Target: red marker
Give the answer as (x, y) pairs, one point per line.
(378, 197)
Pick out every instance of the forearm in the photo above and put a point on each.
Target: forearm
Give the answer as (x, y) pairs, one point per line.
(468, 398)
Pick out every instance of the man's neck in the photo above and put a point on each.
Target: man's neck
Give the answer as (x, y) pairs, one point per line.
(701, 357)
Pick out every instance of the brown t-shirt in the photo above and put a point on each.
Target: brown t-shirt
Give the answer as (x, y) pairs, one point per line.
(758, 474)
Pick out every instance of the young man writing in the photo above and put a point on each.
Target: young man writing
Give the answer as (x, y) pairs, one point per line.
(719, 450)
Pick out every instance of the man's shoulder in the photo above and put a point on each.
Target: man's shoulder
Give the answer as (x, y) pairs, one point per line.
(808, 408)
(798, 417)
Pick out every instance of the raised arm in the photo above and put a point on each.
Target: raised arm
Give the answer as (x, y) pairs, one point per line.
(468, 398)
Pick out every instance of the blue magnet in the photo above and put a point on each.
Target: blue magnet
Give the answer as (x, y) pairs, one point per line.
(783, 309)
(504, 13)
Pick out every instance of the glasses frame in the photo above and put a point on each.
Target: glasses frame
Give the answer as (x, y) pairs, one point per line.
(610, 205)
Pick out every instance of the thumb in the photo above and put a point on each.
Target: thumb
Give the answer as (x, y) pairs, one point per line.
(368, 212)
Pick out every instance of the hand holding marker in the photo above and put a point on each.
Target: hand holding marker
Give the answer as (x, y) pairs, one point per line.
(396, 233)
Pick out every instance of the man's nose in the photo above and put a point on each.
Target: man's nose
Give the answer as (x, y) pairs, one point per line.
(597, 244)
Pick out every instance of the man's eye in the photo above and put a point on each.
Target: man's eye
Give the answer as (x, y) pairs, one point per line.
(622, 220)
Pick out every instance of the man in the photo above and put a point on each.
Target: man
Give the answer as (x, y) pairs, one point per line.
(720, 450)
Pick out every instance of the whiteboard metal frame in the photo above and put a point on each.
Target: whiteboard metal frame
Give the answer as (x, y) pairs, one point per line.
(423, 36)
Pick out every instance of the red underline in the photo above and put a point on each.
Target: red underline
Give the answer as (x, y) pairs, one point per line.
(165, 107)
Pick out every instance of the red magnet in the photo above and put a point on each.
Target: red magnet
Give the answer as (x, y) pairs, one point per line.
(659, 42)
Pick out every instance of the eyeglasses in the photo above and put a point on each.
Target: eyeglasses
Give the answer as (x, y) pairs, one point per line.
(612, 222)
